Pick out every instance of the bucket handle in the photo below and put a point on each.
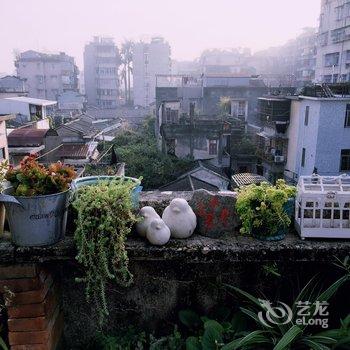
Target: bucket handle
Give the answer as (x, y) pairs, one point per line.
(5, 198)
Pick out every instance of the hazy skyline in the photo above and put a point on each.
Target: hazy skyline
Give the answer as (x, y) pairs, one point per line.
(190, 26)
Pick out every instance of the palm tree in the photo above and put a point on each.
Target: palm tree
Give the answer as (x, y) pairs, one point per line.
(126, 54)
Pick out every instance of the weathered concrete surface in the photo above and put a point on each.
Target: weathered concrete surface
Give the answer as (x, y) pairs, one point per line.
(229, 248)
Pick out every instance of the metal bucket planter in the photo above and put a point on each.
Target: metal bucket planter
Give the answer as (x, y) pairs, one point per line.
(38, 220)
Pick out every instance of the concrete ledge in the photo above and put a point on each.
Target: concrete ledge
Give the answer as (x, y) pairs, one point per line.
(231, 247)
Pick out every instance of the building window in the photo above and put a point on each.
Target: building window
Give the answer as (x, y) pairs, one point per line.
(327, 78)
(171, 146)
(213, 147)
(331, 59)
(345, 160)
(307, 110)
(303, 157)
(347, 117)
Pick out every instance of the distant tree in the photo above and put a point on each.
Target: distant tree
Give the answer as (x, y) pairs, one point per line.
(126, 53)
(138, 150)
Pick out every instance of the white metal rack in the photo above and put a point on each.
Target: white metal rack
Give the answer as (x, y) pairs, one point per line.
(322, 207)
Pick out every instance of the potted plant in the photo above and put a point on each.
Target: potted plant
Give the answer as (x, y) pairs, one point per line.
(265, 211)
(36, 203)
(104, 219)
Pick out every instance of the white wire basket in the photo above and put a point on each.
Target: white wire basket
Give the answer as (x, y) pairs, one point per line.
(322, 207)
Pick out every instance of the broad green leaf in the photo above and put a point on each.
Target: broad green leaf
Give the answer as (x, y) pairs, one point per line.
(212, 335)
(288, 338)
(193, 343)
(189, 318)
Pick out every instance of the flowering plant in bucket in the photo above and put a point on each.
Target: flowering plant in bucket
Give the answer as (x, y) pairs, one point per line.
(34, 179)
(36, 203)
(264, 210)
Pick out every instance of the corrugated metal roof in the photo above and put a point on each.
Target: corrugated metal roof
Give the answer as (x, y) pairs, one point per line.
(73, 151)
(27, 137)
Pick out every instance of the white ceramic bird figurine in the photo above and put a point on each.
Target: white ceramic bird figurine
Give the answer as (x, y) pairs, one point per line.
(157, 232)
(180, 218)
(148, 214)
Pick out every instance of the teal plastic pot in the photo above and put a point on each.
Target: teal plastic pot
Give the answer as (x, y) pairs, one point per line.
(94, 180)
(281, 233)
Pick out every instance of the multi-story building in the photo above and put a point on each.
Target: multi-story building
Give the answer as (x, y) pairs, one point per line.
(305, 133)
(204, 94)
(333, 50)
(272, 140)
(319, 136)
(149, 60)
(101, 63)
(47, 75)
(292, 64)
(11, 86)
(205, 118)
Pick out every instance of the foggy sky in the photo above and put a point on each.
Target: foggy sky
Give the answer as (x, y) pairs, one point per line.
(190, 26)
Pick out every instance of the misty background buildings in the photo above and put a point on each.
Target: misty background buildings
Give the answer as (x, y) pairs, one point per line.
(270, 112)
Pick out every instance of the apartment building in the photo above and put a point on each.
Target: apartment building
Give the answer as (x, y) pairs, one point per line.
(292, 64)
(304, 134)
(204, 93)
(333, 50)
(319, 136)
(47, 75)
(149, 60)
(101, 81)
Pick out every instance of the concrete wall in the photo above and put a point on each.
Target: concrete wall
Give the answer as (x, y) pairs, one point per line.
(323, 138)
(212, 95)
(332, 138)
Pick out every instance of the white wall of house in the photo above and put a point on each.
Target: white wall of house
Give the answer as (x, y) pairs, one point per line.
(323, 138)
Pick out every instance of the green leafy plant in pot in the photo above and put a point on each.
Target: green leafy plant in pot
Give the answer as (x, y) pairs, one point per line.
(104, 219)
(36, 203)
(265, 210)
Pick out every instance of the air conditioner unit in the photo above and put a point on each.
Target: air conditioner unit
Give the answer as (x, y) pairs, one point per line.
(279, 159)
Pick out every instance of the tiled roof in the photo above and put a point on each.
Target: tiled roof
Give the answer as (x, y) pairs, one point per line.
(199, 177)
(243, 179)
(73, 151)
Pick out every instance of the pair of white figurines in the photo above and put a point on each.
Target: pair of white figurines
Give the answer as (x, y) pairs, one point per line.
(178, 221)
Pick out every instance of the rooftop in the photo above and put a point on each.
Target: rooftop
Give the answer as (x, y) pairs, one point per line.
(32, 101)
(24, 137)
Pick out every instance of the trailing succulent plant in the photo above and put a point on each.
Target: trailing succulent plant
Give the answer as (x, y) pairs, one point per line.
(34, 179)
(104, 219)
(263, 207)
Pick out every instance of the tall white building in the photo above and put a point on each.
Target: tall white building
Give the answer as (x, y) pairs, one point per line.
(149, 60)
(101, 62)
(333, 51)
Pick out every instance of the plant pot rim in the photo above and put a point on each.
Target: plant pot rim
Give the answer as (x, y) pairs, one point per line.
(107, 177)
(34, 197)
